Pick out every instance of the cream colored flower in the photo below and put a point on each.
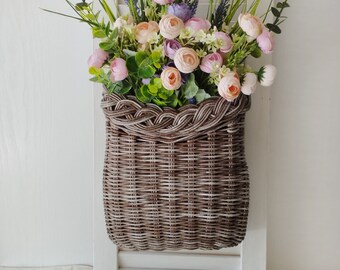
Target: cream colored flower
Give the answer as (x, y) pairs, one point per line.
(229, 87)
(268, 76)
(145, 31)
(171, 78)
(170, 26)
(249, 84)
(250, 24)
(186, 60)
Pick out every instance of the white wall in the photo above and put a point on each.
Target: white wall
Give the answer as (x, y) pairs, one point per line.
(46, 135)
(304, 162)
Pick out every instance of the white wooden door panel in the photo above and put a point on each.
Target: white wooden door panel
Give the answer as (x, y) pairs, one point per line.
(46, 137)
(185, 260)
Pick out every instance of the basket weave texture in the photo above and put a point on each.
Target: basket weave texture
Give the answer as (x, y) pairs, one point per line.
(175, 179)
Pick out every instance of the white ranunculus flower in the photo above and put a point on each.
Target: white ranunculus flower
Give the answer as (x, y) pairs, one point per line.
(250, 24)
(186, 60)
(249, 84)
(170, 26)
(268, 76)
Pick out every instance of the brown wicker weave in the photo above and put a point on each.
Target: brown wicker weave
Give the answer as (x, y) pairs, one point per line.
(175, 179)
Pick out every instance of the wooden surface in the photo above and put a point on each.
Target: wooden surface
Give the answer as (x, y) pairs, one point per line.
(46, 137)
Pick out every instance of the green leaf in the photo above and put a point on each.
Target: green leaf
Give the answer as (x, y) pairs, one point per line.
(157, 82)
(276, 12)
(190, 88)
(164, 93)
(156, 56)
(114, 87)
(113, 34)
(125, 88)
(256, 53)
(141, 97)
(285, 5)
(279, 5)
(107, 29)
(140, 57)
(274, 28)
(146, 71)
(98, 33)
(201, 95)
(160, 102)
(172, 101)
(145, 92)
(131, 64)
(106, 45)
(94, 70)
(94, 79)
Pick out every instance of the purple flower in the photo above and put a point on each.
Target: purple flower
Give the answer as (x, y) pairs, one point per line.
(170, 48)
(181, 11)
(146, 81)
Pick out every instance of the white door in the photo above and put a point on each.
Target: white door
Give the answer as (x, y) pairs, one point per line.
(49, 119)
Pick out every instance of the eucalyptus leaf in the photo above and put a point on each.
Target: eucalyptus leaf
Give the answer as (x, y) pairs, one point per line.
(201, 95)
(190, 88)
(274, 28)
(275, 12)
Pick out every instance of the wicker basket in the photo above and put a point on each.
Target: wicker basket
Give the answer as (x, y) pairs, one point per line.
(175, 179)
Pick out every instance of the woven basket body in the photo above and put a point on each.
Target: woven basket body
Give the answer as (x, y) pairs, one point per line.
(175, 179)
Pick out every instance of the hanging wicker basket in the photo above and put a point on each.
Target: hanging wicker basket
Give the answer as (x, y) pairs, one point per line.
(175, 179)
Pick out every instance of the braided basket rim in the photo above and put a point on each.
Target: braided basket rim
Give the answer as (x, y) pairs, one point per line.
(150, 121)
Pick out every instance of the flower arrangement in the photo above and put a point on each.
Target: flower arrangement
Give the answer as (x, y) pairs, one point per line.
(161, 53)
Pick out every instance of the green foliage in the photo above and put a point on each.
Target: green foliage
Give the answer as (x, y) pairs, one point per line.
(201, 95)
(190, 89)
(277, 12)
(155, 92)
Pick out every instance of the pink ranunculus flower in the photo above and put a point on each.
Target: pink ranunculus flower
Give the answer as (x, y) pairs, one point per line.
(170, 26)
(268, 75)
(266, 42)
(251, 25)
(119, 70)
(163, 2)
(197, 24)
(229, 87)
(171, 78)
(186, 60)
(211, 62)
(249, 84)
(144, 31)
(224, 41)
(170, 47)
(98, 58)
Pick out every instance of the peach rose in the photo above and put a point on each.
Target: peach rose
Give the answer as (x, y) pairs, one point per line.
(229, 87)
(251, 25)
(144, 31)
(170, 26)
(171, 78)
(186, 60)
